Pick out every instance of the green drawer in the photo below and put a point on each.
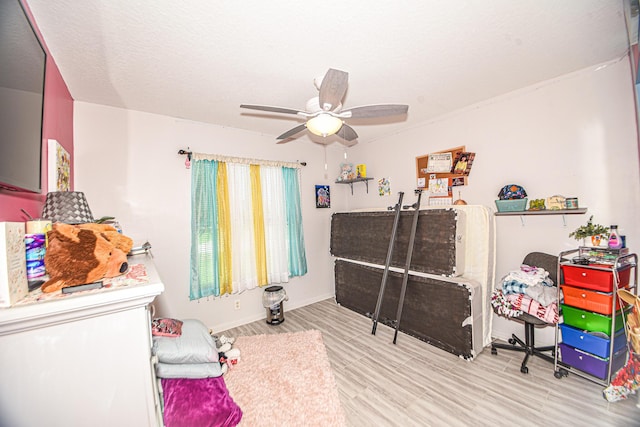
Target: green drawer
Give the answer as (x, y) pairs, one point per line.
(590, 321)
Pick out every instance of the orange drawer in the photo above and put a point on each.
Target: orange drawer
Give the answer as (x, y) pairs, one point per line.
(600, 302)
(592, 278)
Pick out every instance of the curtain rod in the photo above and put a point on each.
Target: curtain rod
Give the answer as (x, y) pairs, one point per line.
(201, 156)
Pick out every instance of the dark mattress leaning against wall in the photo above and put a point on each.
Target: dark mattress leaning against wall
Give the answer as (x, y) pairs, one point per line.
(364, 236)
(437, 311)
(434, 311)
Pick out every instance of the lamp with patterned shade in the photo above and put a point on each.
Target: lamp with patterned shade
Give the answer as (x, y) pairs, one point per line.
(70, 207)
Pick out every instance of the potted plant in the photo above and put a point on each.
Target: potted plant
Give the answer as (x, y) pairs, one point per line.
(596, 231)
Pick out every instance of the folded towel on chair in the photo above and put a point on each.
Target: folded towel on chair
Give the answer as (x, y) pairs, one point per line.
(513, 305)
(531, 281)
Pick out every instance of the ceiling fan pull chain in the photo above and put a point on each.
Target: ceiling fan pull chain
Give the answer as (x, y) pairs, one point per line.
(326, 167)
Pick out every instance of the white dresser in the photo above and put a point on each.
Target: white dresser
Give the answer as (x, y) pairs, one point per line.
(81, 359)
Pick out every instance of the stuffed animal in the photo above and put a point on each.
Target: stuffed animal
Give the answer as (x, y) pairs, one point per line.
(85, 253)
(227, 356)
(110, 233)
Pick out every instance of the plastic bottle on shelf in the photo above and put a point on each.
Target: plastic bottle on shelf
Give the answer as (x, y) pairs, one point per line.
(615, 242)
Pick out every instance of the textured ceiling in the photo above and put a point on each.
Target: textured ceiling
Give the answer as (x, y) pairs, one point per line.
(200, 59)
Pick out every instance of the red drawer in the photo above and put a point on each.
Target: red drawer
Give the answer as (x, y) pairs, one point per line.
(596, 279)
(600, 302)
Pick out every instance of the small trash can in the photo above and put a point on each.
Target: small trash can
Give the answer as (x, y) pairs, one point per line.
(273, 300)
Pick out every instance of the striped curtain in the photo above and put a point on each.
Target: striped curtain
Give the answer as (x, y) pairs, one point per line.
(246, 226)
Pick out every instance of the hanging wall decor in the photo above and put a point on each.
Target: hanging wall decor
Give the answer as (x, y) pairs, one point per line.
(59, 167)
(323, 196)
(384, 186)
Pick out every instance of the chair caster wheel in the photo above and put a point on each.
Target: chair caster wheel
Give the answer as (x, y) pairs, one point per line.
(524, 369)
(494, 351)
(512, 341)
(561, 373)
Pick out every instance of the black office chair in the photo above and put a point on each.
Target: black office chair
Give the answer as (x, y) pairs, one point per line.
(549, 263)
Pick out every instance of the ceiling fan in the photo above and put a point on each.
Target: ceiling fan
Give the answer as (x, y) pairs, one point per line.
(324, 114)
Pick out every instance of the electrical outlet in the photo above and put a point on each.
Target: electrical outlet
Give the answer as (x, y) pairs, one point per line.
(236, 304)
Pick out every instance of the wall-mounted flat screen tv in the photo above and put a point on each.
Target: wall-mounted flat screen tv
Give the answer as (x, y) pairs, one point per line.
(22, 74)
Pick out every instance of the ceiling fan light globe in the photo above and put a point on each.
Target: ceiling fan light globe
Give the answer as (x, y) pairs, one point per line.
(324, 125)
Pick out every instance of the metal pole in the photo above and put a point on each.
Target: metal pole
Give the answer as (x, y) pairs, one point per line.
(376, 313)
(405, 278)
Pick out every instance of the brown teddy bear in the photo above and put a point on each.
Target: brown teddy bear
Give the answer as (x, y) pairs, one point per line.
(84, 253)
(117, 239)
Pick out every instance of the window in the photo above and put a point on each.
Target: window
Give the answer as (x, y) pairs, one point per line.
(246, 225)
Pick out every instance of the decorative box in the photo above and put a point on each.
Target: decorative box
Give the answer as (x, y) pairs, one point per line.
(586, 320)
(511, 205)
(13, 273)
(597, 279)
(597, 344)
(600, 302)
(555, 203)
(596, 366)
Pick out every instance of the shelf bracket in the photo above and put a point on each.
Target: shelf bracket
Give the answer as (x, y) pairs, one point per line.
(350, 182)
(564, 220)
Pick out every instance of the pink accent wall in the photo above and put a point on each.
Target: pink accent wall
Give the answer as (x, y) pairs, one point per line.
(57, 124)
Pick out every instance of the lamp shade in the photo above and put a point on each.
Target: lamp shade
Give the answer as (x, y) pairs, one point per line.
(324, 124)
(70, 207)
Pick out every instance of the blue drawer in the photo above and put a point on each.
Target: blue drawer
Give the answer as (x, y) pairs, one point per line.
(596, 344)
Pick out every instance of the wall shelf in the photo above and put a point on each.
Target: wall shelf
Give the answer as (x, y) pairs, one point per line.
(562, 212)
(351, 181)
(545, 212)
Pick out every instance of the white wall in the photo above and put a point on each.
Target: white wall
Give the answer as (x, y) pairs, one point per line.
(127, 164)
(573, 136)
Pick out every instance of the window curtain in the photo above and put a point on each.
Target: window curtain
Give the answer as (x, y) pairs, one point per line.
(246, 225)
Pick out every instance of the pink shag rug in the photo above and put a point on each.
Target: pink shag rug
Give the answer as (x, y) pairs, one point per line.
(285, 380)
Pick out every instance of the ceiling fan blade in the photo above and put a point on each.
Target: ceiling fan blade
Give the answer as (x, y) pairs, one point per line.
(373, 111)
(271, 109)
(347, 133)
(291, 132)
(332, 90)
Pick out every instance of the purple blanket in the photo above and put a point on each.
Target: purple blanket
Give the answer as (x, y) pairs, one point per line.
(198, 403)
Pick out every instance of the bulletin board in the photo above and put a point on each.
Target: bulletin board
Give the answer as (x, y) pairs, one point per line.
(423, 168)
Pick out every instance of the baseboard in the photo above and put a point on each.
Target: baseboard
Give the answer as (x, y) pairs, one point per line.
(290, 305)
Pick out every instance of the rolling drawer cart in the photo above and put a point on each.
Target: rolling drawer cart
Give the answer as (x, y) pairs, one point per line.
(591, 340)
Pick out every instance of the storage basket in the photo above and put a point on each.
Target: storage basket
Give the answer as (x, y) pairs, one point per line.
(597, 279)
(512, 205)
(633, 318)
(600, 302)
(594, 343)
(587, 362)
(589, 321)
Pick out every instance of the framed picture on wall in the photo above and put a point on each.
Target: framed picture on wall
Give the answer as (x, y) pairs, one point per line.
(323, 196)
(59, 167)
(462, 163)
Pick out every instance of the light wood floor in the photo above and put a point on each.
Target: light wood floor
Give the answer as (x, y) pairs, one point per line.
(415, 384)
